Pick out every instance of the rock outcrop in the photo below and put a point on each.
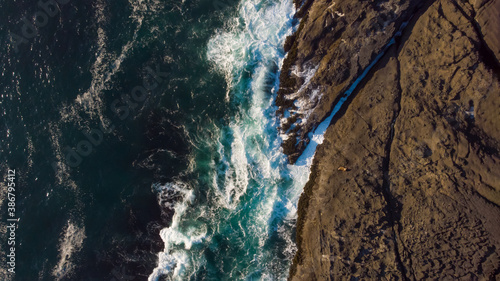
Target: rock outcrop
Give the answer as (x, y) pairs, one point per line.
(420, 138)
(333, 44)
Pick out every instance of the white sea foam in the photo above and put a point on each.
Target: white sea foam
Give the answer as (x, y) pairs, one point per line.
(174, 258)
(306, 97)
(307, 74)
(70, 243)
(255, 191)
(237, 175)
(61, 168)
(106, 65)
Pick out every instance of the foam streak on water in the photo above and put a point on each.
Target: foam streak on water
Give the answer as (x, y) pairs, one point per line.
(242, 227)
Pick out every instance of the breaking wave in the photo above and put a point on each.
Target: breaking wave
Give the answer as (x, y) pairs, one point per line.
(235, 213)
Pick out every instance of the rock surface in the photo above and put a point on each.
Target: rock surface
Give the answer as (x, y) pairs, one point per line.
(420, 138)
(334, 43)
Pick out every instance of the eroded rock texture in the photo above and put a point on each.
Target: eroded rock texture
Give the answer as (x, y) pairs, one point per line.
(421, 139)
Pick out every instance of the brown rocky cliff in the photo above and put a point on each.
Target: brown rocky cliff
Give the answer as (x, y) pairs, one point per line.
(420, 137)
(334, 43)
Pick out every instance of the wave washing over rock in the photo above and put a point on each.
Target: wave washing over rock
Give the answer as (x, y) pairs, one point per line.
(238, 223)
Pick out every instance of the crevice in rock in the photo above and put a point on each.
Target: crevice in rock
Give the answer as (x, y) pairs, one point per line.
(393, 206)
(485, 51)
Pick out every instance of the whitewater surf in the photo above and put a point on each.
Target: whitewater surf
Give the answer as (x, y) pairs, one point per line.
(236, 221)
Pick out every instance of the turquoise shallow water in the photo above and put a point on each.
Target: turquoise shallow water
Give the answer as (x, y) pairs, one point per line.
(189, 182)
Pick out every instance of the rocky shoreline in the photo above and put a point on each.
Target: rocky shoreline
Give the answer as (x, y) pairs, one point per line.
(420, 138)
(331, 47)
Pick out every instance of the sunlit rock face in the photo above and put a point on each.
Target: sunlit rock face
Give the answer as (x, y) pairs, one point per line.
(419, 140)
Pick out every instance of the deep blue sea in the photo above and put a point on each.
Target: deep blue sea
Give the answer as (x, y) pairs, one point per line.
(144, 139)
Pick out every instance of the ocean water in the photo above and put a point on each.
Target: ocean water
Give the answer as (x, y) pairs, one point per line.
(143, 135)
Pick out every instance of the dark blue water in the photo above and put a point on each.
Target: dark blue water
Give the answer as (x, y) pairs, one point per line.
(144, 140)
